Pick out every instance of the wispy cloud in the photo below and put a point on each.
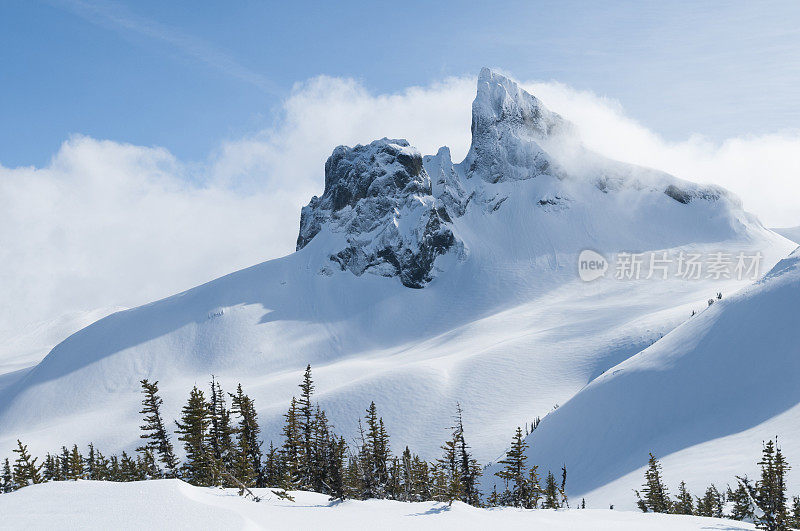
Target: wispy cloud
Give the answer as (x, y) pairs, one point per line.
(119, 18)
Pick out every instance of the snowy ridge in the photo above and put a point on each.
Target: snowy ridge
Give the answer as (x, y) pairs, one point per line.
(502, 325)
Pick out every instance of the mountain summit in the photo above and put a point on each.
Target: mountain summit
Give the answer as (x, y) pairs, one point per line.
(388, 211)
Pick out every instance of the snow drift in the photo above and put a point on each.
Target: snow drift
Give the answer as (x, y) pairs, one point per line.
(173, 504)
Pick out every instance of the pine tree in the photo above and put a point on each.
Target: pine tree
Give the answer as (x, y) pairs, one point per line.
(193, 430)
(684, 503)
(91, 463)
(7, 483)
(469, 470)
(101, 467)
(551, 494)
(129, 469)
(337, 453)
(449, 464)
(306, 426)
(75, 464)
(219, 435)
(320, 453)
(518, 490)
(154, 430)
(770, 492)
(50, 469)
(26, 471)
(710, 504)
(794, 518)
(272, 473)
(420, 479)
(376, 454)
(742, 504)
(292, 449)
(248, 445)
(63, 463)
(656, 497)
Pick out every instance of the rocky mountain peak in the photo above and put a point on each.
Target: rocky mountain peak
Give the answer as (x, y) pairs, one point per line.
(508, 127)
(379, 213)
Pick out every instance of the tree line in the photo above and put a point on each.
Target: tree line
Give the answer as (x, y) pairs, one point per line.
(222, 447)
(763, 502)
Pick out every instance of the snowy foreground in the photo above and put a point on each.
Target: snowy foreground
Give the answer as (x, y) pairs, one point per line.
(171, 504)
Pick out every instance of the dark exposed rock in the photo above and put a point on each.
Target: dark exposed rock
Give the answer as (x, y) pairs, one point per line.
(379, 208)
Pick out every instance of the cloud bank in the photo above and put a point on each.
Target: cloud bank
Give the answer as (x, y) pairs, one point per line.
(107, 223)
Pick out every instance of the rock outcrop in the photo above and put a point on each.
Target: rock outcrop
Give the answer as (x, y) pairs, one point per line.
(379, 213)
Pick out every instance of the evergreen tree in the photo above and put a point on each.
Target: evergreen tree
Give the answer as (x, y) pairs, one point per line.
(91, 463)
(7, 483)
(101, 467)
(469, 470)
(248, 445)
(272, 473)
(26, 471)
(193, 431)
(75, 464)
(63, 463)
(148, 466)
(420, 478)
(449, 464)
(337, 454)
(770, 491)
(518, 490)
(656, 497)
(220, 433)
(551, 494)
(375, 455)
(306, 426)
(794, 518)
(683, 504)
(710, 504)
(50, 469)
(154, 431)
(742, 504)
(292, 449)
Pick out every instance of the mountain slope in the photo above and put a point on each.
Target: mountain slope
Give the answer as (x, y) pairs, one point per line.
(500, 321)
(702, 398)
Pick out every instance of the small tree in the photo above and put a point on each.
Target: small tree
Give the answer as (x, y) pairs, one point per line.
(710, 504)
(26, 471)
(7, 483)
(656, 497)
(683, 504)
(742, 504)
(551, 494)
(154, 431)
(193, 430)
(518, 490)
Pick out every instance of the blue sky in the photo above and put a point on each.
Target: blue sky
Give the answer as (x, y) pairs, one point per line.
(187, 75)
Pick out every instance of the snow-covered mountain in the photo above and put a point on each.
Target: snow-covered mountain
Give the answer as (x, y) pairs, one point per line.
(417, 283)
(703, 398)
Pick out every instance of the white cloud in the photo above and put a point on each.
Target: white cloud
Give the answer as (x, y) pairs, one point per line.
(114, 224)
(764, 171)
